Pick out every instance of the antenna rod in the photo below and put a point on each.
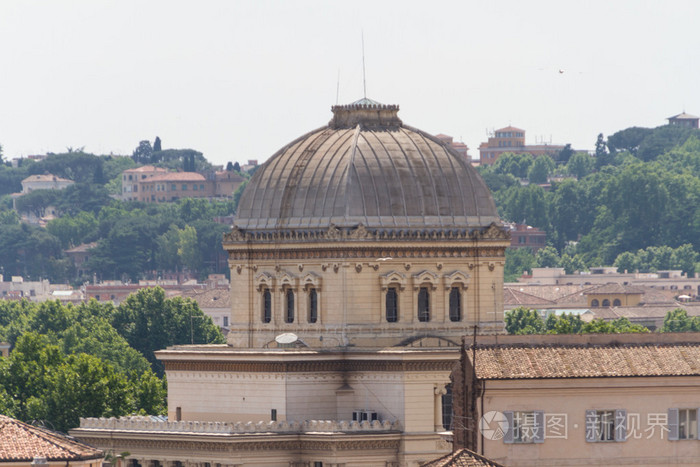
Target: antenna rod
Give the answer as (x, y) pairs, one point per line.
(337, 89)
(364, 76)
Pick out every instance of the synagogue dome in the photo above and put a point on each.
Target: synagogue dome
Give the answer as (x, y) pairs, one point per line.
(365, 167)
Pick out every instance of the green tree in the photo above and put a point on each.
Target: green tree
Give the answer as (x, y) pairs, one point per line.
(142, 154)
(565, 154)
(547, 257)
(541, 169)
(518, 261)
(523, 320)
(150, 322)
(187, 248)
(678, 321)
(602, 156)
(157, 145)
(516, 165)
(580, 165)
(37, 201)
(628, 139)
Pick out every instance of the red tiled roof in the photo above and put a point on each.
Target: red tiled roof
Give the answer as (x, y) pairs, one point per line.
(581, 361)
(20, 442)
(177, 177)
(614, 288)
(462, 458)
(146, 168)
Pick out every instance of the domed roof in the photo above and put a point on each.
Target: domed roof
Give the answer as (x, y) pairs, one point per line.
(366, 167)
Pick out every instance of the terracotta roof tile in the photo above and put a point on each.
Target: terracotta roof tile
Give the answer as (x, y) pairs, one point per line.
(176, 177)
(462, 458)
(582, 361)
(615, 288)
(20, 442)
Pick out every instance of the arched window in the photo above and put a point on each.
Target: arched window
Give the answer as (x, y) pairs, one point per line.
(617, 302)
(313, 305)
(455, 304)
(595, 302)
(392, 305)
(289, 316)
(606, 302)
(423, 304)
(267, 306)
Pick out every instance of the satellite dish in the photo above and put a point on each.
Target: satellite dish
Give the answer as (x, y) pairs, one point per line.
(286, 338)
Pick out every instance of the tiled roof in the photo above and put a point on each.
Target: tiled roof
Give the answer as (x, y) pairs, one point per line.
(513, 296)
(614, 288)
(587, 361)
(83, 247)
(177, 177)
(45, 178)
(146, 168)
(212, 298)
(20, 442)
(462, 458)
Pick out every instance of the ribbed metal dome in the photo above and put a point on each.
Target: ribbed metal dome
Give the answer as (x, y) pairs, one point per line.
(366, 167)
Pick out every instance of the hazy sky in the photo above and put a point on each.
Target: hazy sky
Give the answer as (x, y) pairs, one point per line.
(240, 79)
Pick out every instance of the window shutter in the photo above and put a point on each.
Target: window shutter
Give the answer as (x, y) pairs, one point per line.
(591, 426)
(539, 426)
(508, 436)
(620, 426)
(673, 424)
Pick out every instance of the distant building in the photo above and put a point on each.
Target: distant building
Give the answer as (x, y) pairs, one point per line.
(684, 119)
(525, 236)
(580, 400)
(4, 349)
(173, 186)
(34, 291)
(80, 255)
(24, 445)
(459, 147)
(44, 182)
(226, 183)
(150, 184)
(132, 178)
(251, 164)
(511, 139)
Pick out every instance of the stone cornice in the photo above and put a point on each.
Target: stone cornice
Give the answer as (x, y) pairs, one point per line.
(309, 366)
(360, 233)
(361, 251)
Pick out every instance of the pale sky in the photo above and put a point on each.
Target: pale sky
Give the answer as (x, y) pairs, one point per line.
(238, 80)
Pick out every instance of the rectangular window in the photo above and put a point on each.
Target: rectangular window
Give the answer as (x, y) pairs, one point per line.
(313, 305)
(606, 425)
(423, 304)
(392, 305)
(688, 424)
(525, 427)
(267, 306)
(289, 316)
(273, 415)
(201, 187)
(225, 321)
(682, 424)
(173, 187)
(455, 304)
(184, 187)
(194, 187)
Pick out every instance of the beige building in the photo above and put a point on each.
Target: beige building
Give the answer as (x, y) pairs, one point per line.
(132, 179)
(360, 254)
(580, 400)
(512, 139)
